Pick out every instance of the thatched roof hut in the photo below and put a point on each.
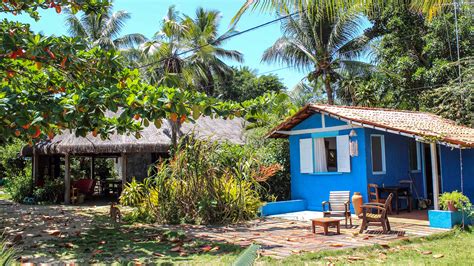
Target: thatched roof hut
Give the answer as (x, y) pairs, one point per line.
(153, 140)
(133, 155)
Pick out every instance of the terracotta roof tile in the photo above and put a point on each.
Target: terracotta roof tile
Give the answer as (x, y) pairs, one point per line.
(424, 125)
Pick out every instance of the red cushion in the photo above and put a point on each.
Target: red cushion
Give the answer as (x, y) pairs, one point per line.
(85, 186)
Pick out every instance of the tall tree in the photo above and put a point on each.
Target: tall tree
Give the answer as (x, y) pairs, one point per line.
(333, 8)
(324, 47)
(244, 84)
(167, 58)
(103, 29)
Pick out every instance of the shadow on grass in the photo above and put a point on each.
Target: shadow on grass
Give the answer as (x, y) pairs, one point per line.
(125, 243)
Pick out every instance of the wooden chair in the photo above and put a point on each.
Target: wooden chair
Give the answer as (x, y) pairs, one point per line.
(408, 195)
(338, 205)
(379, 218)
(374, 195)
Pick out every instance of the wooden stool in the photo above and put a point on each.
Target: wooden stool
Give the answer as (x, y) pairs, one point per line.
(325, 223)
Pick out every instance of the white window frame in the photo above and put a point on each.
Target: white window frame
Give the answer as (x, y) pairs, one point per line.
(418, 158)
(382, 145)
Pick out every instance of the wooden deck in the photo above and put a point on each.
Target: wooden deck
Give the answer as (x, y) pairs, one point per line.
(280, 238)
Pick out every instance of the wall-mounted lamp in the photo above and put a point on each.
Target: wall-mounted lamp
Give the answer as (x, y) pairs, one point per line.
(353, 145)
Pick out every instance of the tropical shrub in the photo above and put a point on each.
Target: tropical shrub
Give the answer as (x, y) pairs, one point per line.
(459, 200)
(20, 186)
(50, 192)
(199, 185)
(7, 253)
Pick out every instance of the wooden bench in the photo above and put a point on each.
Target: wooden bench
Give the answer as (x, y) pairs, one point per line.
(325, 223)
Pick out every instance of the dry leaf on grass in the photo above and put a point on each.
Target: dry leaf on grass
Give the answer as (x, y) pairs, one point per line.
(382, 256)
(426, 252)
(97, 251)
(69, 245)
(52, 232)
(158, 254)
(176, 249)
(102, 242)
(438, 256)
(206, 248)
(355, 258)
(336, 245)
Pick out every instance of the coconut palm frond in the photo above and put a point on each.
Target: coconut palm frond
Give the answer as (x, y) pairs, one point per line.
(74, 26)
(130, 40)
(115, 23)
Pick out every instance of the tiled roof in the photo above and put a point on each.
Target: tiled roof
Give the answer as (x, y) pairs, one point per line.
(424, 125)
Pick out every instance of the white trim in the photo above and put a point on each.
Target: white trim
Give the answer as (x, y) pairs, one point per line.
(323, 121)
(382, 145)
(316, 130)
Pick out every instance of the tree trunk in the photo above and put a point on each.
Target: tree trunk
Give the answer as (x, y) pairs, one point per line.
(175, 134)
(329, 92)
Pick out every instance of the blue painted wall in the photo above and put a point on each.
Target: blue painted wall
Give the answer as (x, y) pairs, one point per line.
(450, 169)
(315, 188)
(397, 162)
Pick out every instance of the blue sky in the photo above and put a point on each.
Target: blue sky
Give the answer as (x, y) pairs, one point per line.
(147, 14)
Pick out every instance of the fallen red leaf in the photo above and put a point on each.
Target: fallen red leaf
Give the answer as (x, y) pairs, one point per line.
(206, 248)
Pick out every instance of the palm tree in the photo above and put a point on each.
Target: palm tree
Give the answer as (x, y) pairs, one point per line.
(427, 7)
(103, 29)
(187, 51)
(313, 42)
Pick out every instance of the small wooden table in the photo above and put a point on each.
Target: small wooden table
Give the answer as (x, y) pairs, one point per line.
(396, 190)
(325, 223)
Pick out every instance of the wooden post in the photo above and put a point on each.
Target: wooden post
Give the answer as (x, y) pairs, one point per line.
(123, 169)
(92, 167)
(67, 180)
(435, 175)
(35, 167)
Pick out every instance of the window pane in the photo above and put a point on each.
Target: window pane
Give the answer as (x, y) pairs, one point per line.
(331, 154)
(377, 165)
(413, 156)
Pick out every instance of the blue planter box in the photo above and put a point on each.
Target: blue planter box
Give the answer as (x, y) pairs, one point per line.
(446, 219)
(279, 207)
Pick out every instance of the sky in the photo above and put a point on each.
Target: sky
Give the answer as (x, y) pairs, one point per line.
(147, 14)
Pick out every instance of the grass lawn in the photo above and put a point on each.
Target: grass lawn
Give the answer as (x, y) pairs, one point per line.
(453, 248)
(3, 194)
(128, 244)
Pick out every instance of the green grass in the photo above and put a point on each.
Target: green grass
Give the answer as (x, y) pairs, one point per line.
(454, 248)
(3, 194)
(126, 244)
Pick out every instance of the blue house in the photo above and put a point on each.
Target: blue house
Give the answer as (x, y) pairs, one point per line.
(334, 148)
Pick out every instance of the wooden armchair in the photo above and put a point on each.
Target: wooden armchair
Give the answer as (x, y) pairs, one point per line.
(380, 218)
(338, 205)
(374, 195)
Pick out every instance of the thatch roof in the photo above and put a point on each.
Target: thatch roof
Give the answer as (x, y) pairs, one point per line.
(152, 139)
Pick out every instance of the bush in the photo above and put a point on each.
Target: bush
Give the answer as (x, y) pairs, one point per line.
(50, 192)
(198, 185)
(459, 200)
(20, 186)
(7, 253)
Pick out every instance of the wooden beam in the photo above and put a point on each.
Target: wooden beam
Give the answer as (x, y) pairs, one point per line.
(67, 179)
(123, 169)
(92, 167)
(35, 168)
(435, 175)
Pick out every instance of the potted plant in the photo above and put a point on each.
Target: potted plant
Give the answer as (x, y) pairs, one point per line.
(456, 209)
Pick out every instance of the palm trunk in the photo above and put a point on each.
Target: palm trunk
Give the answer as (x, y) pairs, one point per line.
(175, 134)
(329, 92)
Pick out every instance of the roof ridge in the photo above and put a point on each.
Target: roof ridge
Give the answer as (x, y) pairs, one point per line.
(381, 109)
